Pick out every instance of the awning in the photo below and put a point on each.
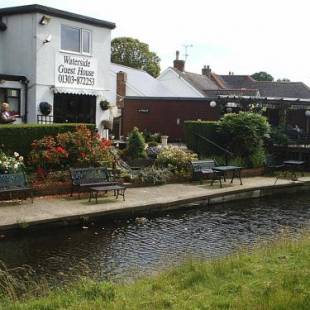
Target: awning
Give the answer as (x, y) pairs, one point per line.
(77, 91)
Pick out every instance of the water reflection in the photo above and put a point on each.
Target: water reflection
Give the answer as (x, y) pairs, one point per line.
(124, 246)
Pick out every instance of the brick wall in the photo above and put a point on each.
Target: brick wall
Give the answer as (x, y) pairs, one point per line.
(165, 115)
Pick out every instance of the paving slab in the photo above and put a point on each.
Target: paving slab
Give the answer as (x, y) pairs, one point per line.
(53, 209)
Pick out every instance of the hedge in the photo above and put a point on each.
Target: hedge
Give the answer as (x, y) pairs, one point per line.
(18, 138)
(206, 129)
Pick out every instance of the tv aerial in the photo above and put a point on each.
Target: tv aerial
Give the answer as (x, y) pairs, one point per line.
(186, 47)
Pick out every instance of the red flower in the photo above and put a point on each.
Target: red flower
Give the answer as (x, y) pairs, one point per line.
(60, 149)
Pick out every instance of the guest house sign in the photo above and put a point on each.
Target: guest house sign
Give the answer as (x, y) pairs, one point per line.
(75, 71)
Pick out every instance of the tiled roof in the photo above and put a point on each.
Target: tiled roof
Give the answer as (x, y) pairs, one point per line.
(267, 88)
(244, 85)
(236, 81)
(200, 82)
(283, 89)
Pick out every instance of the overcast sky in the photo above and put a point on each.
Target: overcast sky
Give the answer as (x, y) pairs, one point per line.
(230, 35)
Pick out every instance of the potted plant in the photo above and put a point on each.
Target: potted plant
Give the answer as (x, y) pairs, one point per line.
(104, 105)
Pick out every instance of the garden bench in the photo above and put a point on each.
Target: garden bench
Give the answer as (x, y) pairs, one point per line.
(119, 190)
(204, 168)
(15, 183)
(84, 178)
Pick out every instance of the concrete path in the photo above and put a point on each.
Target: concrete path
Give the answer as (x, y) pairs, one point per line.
(51, 209)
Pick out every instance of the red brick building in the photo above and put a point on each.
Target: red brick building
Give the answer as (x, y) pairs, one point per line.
(165, 115)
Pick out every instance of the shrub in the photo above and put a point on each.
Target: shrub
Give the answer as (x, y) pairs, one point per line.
(154, 176)
(80, 148)
(18, 138)
(244, 134)
(153, 151)
(11, 164)
(151, 137)
(136, 145)
(175, 159)
(152, 144)
(278, 135)
(206, 129)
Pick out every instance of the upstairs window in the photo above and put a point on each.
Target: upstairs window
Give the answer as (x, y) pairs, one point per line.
(75, 40)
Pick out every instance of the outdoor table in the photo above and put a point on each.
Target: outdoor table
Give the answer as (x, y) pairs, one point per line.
(118, 190)
(293, 166)
(236, 172)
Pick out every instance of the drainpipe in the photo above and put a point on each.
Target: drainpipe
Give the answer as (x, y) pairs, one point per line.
(25, 117)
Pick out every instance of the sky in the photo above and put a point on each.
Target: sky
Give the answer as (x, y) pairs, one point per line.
(242, 36)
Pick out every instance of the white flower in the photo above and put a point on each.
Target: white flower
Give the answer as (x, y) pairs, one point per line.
(16, 154)
(21, 158)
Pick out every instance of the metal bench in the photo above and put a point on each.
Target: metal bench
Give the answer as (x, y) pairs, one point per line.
(204, 168)
(119, 190)
(84, 178)
(15, 184)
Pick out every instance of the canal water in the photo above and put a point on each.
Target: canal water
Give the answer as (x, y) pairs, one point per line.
(127, 247)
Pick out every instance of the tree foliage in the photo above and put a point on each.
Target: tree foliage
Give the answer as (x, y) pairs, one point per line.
(133, 53)
(244, 134)
(262, 76)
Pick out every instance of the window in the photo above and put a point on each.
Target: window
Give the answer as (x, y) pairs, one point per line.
(12, 97)
(86, 41)
(75, 40)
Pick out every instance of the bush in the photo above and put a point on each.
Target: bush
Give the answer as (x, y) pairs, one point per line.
(175, 159)
(154, 176)
(11, 164)
(153, 151)
(152, 144)
(81, 148)
(136, 145)
(244, 134)
(18, 138)
(206, 129)
(278, 135)
(151, 137)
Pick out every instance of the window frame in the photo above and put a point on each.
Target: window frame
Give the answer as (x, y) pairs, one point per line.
(6, 97)
(81, 30)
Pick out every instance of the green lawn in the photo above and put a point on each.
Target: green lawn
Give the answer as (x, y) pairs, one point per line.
(276, 276)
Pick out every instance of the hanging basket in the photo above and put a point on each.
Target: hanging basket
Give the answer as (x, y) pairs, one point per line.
(104, 105)
(107, 124)
(45, 108)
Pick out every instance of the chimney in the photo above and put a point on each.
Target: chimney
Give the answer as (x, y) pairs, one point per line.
(178, 63)
(206, 70)
(121, 79)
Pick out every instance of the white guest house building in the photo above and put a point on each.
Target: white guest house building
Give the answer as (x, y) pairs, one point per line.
(52, 58)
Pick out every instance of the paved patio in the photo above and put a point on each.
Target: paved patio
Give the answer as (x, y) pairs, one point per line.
(52, 209)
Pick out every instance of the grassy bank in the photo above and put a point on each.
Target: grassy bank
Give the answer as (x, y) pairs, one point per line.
(276, 276)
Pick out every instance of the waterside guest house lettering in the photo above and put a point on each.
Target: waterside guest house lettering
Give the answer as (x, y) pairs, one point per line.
(75, 72)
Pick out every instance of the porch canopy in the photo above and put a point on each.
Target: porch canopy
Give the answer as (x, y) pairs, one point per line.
(77, 91)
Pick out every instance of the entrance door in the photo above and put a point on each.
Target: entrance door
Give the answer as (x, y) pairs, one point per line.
(74, 108)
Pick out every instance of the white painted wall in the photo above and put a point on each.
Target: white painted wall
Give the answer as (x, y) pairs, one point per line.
(176, 84)
(23, 53)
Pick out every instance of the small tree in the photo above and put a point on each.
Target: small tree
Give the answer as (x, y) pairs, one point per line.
(136, 145)
(262, 76)
(135, 54)
(244, 135)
